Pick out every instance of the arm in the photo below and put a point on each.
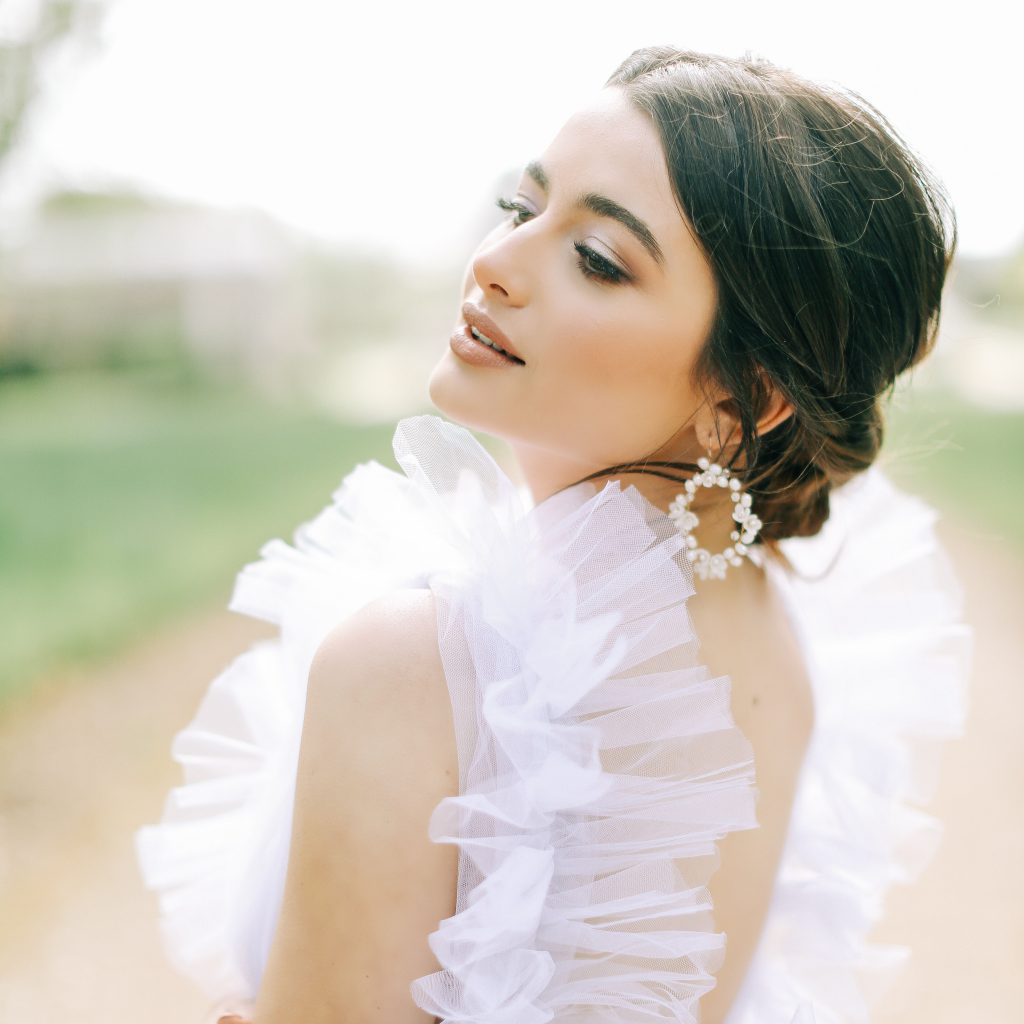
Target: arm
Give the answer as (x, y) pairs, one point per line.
(365, 885)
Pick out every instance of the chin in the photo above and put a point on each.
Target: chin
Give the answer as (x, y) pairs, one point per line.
(452, 396)
(461, 398)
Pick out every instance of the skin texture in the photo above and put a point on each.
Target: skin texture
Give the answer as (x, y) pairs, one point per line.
(605, 380)
(745, 634)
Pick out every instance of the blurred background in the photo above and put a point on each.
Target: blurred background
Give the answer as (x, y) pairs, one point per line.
(231, 241)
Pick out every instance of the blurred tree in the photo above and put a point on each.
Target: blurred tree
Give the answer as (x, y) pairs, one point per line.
(29, 29)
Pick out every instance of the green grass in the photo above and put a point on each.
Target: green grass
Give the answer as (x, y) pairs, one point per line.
(125, 499)
(966, 459)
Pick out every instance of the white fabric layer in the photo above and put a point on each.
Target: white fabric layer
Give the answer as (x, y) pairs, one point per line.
(599, 761)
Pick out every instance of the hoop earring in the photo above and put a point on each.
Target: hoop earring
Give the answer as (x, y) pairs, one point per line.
(705, 564)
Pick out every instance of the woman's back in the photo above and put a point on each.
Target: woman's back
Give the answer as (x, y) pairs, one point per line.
(772, 703)
(746, 633)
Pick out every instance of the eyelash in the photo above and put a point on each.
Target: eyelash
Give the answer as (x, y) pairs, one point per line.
(590, 262)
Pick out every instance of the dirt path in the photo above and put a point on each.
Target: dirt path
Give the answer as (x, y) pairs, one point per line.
(85, 762)
(81, 767)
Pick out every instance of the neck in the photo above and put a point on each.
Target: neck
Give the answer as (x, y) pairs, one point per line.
(545, 473)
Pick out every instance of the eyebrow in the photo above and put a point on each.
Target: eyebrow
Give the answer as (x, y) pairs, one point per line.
(605, 207)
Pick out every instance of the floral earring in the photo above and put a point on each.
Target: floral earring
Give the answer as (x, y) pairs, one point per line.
(711, 474)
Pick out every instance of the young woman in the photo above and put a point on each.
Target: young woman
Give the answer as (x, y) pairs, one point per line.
(628, 740)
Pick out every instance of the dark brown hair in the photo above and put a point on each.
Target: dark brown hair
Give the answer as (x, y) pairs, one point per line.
(829, 241)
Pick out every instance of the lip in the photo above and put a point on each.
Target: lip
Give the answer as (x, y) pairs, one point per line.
(476, 317)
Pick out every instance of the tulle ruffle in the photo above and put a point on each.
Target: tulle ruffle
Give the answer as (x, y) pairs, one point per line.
(599, 761)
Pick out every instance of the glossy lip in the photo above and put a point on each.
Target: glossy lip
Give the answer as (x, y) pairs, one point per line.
(476, 317)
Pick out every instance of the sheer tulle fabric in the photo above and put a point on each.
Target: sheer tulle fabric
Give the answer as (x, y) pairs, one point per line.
(599, 761)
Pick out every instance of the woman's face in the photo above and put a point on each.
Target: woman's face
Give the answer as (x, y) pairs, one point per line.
(597, 284)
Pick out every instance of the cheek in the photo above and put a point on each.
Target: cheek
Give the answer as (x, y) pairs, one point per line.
(620, 351)
(620, 373)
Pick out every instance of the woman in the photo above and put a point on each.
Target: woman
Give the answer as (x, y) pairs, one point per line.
(525, 787)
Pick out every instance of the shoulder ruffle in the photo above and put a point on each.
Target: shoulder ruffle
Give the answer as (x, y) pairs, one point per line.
(217, 858)
(599, 761)
(878, 607)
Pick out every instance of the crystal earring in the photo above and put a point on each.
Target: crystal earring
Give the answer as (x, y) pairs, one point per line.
(711, 474)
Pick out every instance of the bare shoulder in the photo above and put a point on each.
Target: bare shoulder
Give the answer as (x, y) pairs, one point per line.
(382, 667)
(393, 632)
(365, 884)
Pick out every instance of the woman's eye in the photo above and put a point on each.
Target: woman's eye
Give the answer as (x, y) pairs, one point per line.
(590, 262)
(593, 264)
(522, 213)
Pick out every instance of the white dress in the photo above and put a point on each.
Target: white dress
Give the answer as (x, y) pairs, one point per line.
(599, 762)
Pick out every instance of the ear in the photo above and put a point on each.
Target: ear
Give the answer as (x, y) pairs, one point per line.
(779, 408)
(718, 429)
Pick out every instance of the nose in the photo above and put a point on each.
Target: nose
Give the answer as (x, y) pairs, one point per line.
(499, 269)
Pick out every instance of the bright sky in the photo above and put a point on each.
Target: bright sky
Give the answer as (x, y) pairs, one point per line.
(389, 124)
